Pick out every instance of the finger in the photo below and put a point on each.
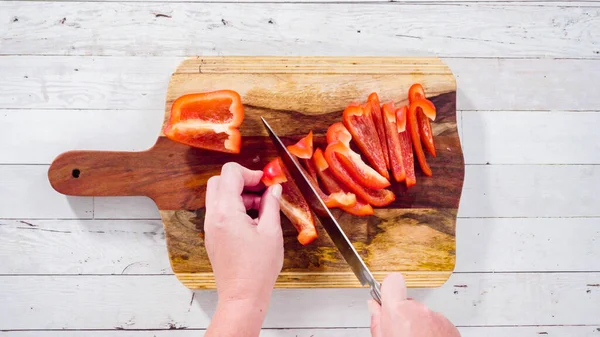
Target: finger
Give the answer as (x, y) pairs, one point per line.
(235, 177)
(256, 188)
(251, 201)
(375, 310)
(212, 190)
(268, 216)
(393, 290)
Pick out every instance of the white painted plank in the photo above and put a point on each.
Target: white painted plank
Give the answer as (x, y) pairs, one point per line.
(488, 191)
(83, 247)
(25, 192)
(527, 137)
(520, 331)
(530, 191)
(115, 28)
(125, 208)
(97, 246)
(141, 82)
(38, 136)
(160, 302)
(495, 137)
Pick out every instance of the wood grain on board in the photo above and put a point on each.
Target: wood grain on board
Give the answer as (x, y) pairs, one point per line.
(415, 234)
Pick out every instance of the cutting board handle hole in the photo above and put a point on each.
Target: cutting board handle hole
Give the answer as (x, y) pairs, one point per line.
(76, 173)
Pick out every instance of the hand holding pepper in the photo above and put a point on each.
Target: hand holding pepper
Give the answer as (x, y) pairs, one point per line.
(246, 254)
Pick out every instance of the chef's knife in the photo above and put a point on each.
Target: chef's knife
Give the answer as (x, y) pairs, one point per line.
(327, 220)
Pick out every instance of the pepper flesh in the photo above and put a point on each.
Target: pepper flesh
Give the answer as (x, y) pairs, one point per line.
(413, 128)
(395, 149)
(359, 122)
(207, 120)
(426, 132)
(303, 148)
(415, 92)
(332, 185)
(361, 171)
(293, 205)
(407, 152)
(378, 120)
(337, 199)
(378, 198)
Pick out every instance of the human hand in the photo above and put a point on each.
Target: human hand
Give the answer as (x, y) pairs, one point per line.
(246, 254)
(400, 317)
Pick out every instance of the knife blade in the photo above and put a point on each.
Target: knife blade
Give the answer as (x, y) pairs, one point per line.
(332, 227)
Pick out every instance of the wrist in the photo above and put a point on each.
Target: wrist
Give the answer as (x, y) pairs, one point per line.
(238, 317)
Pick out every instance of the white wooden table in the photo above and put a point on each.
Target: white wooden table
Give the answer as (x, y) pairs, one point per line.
(93, 75)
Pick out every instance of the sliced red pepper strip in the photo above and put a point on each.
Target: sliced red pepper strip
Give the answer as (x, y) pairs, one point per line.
(303, 148)
(415, 92)
(391, 129)
(401, 118)
(407, 152)
(273, 173)
(332, 185)
(337, 199)
(293, 205)
(413, 128)
(362, 172)
(359, 122)
(426, 132)
(207, 120)
(334, 154)
(377, 115)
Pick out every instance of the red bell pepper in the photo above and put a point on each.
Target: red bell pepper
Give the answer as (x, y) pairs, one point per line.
(406, 144)
(337, 199)
(293, 204)
(207, 120)
(391, 129)
(359, 122)
(303, 148)
(377, 115)
(361, 171)
(413, 127)
(334, 154)
(426, 132)
(415, 92)
(332, 185)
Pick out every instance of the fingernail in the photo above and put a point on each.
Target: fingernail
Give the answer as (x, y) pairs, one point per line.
(276, 191)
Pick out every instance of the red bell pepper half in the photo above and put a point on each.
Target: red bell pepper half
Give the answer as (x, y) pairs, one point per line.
(303, 148)
(406, 144)
(413, 127)
(333, 155)
(359, 122)
(361, 171)
(391, 129)
(293, 204)
(333, 186)
(377, 115)
(207, 120)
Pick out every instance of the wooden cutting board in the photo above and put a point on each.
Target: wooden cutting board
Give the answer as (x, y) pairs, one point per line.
(414, 235)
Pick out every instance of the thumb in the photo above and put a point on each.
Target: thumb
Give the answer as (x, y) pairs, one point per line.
(393, 290)
(375, 310)
(268, 215)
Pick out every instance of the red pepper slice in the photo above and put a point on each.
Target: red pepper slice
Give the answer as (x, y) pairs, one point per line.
(207, 120)
(303, 148)
(426, 132)
(415, 92)
(362, 172)
(377, 115)
(413, 128)
(338, 199)
(359, 122)
(401, 118)
(293, 204)
(334, 154)
(273, 173)
(407, 152)
(395, 149)
(332, 185)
